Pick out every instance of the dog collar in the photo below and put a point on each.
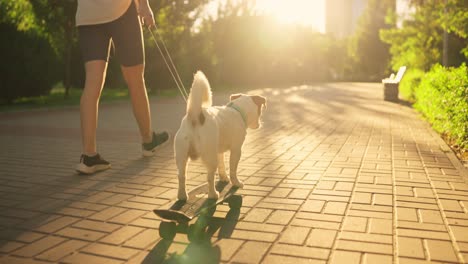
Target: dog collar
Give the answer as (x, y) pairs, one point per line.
(235, 107)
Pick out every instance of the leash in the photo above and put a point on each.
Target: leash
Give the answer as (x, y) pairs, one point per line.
(173, 69)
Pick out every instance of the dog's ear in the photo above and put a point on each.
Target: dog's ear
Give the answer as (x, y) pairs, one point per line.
(234, 96)
(259, 100)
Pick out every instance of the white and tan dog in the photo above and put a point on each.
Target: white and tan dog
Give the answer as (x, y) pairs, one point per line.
(207, 132)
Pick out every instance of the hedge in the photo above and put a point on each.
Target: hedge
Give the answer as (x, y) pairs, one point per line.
(442, 97)
(409, 84)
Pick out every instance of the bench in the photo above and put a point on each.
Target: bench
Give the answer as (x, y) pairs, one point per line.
(391, 85)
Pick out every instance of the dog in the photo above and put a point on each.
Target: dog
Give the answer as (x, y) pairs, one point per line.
(208, 131)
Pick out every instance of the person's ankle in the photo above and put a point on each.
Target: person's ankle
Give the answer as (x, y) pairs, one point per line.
(90, 154)
(148, 138)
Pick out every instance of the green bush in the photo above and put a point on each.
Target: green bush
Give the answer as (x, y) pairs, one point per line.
(442, 97)
(410, 81)
(30, 66)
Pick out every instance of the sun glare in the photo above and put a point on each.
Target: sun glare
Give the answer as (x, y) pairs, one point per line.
(304, 12)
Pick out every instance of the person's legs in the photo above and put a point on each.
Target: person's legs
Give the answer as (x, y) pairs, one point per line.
(95, 76)
(95, 47)
(128, 41)
(133, 75)
(136, 85)
(91, 161)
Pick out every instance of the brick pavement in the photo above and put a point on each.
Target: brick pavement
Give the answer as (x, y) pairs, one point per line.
(336, 175)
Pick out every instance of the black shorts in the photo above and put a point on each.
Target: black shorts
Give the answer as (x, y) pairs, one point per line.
(125, 33)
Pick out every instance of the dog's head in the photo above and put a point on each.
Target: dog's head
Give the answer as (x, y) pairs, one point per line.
(252, 105)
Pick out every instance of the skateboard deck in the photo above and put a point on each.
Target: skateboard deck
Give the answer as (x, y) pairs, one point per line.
(197, 202)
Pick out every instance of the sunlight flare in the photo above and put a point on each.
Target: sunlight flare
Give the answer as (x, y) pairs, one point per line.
(304, 12)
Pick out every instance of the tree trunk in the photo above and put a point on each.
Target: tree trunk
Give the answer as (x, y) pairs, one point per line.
(68, 51)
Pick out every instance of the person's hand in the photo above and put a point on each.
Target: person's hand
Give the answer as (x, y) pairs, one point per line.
(146, 14)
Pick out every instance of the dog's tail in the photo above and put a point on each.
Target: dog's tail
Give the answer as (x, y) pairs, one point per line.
(200, 97)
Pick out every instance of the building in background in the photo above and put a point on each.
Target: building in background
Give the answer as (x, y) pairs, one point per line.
(341, 16)
(404, 11)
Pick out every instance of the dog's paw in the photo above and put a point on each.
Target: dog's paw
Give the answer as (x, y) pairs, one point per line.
(214, 196)
(183, 196)
(238, 184)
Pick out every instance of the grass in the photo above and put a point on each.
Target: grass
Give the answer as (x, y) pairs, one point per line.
(56, 98)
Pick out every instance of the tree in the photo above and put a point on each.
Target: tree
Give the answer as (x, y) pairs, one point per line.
(175, 20)
(454, 19)
(249, 48)
(57, 18)
(418, 43)
(19, 14)
(369, 55)
(31, 65)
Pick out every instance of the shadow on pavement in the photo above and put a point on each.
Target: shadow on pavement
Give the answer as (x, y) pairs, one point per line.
(200, 234)
(57, 198)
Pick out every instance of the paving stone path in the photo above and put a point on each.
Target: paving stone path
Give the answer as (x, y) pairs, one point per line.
(336, 175)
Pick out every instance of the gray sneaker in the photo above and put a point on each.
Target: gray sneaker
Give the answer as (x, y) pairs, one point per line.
(158, 140)
(90, 165)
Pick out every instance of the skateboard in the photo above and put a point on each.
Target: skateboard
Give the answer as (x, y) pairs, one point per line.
(180, 213)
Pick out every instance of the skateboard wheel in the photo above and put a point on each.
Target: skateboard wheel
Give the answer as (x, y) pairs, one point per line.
(167, 230)
(235, 202)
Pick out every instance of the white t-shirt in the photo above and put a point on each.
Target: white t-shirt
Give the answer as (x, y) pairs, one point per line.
(92, 12)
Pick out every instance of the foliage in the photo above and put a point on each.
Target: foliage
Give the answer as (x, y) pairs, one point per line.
(435, 29)
(418, 43)
(421, 35)
(252, 49)
(411, 80)
(237, 47)
(51, 19)
(454, 19)
(57, 17)
(30, 64)
(175, 20)
(369, 55)
(33, 63)
(442, 97)
(337, 59)
(18, 13)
